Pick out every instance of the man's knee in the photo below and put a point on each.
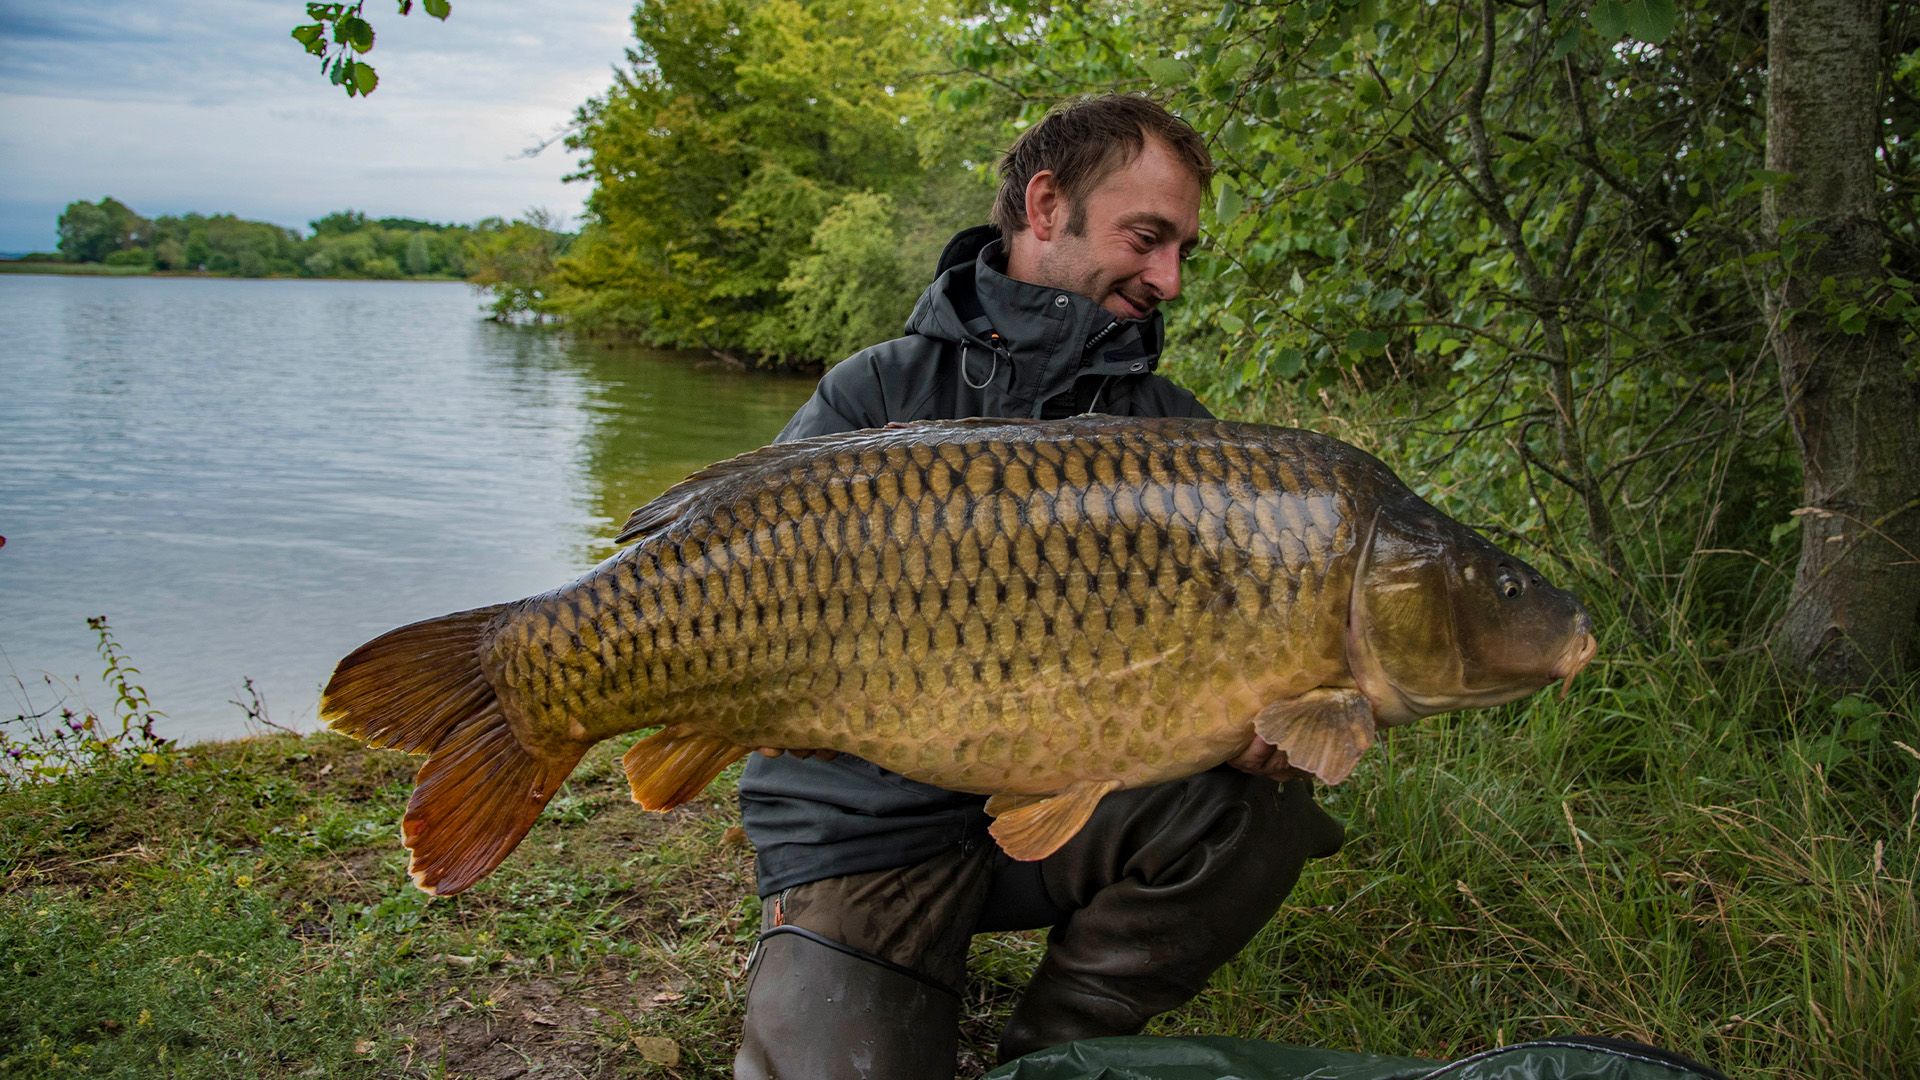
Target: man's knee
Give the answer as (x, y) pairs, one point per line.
(817, 1007)
(1222, 820)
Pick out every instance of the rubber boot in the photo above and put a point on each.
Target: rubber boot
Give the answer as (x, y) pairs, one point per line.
(821, 1010)
(1164, 885)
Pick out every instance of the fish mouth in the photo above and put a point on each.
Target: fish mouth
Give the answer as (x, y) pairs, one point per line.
(1579, 651)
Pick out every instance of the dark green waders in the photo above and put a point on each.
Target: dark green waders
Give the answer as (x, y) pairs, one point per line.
(856, 976)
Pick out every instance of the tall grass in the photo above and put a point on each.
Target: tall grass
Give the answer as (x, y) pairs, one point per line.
(1702, 860)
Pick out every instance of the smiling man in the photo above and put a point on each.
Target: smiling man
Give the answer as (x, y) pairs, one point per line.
(873, 884)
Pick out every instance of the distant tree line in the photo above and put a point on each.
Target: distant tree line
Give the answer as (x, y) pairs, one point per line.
(344, 244)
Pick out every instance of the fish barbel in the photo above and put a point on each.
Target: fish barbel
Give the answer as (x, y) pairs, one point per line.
(1042, 612)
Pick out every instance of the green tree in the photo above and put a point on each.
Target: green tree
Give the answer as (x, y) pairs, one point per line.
(1845, 340)
(734, 133)
(849, 290)
(419, 254)
(515, 261)
(89, 232)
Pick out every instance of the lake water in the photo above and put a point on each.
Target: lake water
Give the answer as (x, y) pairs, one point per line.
(250, 478)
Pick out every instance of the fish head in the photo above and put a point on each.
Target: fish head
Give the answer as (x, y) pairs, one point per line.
(1441, 619)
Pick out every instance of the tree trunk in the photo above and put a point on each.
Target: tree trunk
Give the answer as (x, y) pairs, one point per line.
(1853, 405)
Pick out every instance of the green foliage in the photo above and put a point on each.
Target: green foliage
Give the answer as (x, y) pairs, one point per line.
(344, 244)
(515, 261)
(60, 739)
(339, 35)
(844, 294)
(90, 232)
(732, 162)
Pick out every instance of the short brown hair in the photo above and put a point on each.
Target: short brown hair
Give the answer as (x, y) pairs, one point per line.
(1082, 143)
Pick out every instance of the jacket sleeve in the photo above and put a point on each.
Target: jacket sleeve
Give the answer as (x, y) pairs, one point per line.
(850, 397)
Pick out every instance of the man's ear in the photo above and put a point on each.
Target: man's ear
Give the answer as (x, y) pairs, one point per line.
(1046, 206)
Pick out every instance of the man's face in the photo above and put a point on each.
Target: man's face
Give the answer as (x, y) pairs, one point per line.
(1136, 227)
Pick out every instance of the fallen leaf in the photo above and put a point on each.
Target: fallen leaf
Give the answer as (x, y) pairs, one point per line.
(660, 1051)
(665, 997)
(364, 1046)
(532, 1017)
(734, 835)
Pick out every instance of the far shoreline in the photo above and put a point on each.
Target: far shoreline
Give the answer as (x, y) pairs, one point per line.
(52, 268)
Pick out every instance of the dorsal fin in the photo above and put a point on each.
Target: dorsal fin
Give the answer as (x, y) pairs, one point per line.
(666, 509)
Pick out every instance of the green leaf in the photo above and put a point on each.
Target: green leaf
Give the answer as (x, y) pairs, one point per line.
(1229, 204)
(1234, 135)
(1166, 71)
(1609, 19)
(364, 78)
(1231, 323)
(1650, 20)
(1566, 43)
(308, 35)
(439, 9)
(355, 32)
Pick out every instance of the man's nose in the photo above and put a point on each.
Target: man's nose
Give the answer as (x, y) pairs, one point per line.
(1163, 272)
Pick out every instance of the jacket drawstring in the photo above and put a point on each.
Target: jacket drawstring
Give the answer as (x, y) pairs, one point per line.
(996, 341)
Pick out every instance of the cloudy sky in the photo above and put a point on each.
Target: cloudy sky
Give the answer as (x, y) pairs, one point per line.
(210, 106)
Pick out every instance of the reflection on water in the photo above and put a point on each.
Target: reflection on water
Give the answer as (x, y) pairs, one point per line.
(252, 477)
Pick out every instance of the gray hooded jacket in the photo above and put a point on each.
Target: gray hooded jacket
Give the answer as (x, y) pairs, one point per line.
(978, 344)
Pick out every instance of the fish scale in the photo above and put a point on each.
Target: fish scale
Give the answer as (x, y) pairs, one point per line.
(1039, 611)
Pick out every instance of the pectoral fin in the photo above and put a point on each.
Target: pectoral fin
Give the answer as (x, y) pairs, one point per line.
(670, 767)
(1030, 827)
(1322, 731)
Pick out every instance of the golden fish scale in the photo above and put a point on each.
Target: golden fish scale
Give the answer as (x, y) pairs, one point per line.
(991, 610)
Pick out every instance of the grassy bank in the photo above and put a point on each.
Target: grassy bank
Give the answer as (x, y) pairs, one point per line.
(1675, 853)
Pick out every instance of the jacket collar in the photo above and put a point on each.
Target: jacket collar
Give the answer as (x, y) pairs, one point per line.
(1049, 337)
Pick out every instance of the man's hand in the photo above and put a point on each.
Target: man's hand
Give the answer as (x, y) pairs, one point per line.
(1261, 759)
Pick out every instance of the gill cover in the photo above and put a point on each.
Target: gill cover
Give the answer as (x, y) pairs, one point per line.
(1442, 619)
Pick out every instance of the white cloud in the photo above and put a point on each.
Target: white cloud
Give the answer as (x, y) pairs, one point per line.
(212, 107)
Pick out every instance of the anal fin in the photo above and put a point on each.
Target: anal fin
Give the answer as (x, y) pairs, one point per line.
(670, 767)
(1030, 828)
(1323, 731)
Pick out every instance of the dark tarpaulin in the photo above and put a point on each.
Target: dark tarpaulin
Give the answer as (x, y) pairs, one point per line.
(1214, 1058)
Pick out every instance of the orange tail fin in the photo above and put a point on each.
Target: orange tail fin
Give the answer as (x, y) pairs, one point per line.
(421, 689)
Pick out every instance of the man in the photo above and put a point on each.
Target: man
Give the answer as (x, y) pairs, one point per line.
(872, 883)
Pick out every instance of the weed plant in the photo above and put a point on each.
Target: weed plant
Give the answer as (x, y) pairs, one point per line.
(65, 736)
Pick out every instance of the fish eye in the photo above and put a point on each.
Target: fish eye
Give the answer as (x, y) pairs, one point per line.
(1510, 585)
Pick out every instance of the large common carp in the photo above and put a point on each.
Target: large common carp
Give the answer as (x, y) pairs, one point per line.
(1043, 612)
